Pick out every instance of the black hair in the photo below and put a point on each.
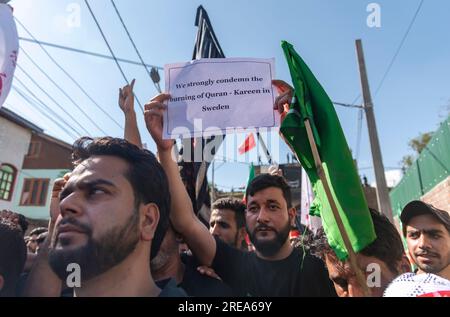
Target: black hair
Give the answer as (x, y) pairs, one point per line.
(145, 174)
(236, 205)
(13, 254)
(264, 181)
(387, 246)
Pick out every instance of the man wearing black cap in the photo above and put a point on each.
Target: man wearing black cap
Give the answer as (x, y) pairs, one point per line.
(427, 232)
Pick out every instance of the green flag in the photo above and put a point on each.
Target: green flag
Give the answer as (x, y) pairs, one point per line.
(311, 102)
(251, 175)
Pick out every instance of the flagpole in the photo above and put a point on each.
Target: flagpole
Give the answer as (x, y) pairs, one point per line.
(264, 147)
(351, 253)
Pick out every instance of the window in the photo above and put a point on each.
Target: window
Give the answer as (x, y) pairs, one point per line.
(34, 192)
(7, 178)
(34, 149)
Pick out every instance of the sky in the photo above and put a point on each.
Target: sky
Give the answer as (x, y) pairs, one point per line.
(414, 97)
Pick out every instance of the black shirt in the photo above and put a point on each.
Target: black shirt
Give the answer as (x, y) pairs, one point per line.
(200, 285)
(248, 275)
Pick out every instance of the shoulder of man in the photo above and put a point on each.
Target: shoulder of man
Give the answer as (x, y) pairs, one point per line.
(169, 288)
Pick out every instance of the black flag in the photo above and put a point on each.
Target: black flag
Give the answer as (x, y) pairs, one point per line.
(193, 171)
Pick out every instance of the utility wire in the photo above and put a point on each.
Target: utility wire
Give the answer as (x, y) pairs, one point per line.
(111, 51)
(39, 106)
(52, 99)
(63, 91)
(42, 105)
(70, 76)
(76, 50)
(399, 47)
(134, 45)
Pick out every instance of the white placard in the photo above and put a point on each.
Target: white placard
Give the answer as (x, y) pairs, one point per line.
(219, 96)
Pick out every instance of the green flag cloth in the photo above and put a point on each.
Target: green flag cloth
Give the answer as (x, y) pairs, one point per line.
(311, 102)
(251, 175)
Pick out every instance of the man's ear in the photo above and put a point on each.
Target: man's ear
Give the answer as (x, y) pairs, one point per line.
(149, 221)
(2, 282)
(404, 266)
(241, 235)
(292, 212)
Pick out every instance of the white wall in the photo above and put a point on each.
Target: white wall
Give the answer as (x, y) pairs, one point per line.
(14, 143)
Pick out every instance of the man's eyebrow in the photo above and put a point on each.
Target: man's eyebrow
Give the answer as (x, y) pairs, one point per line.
(432, 231)
(95, 182)
(85, 185)
(270, 201)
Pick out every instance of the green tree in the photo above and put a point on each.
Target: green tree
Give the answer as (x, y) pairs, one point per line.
(417, 144)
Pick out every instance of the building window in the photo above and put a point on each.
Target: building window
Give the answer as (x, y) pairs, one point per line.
(7, 178)
(34, 149)
(34, 192)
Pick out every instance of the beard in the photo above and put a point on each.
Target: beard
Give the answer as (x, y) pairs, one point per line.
(96, 256)
(270, 247)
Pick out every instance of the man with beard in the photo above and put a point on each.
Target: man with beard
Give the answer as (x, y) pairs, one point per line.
(227, 222)
(275, 268)
(427, 233)
(114, 212)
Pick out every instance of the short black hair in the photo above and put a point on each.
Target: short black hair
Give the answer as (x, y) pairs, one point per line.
(387, 246)
(145, 174)
(236, 205)
(13, 254)
(23, 223)
(264, 181)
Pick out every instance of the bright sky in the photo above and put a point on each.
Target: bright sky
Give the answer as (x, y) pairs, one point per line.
(413, 98)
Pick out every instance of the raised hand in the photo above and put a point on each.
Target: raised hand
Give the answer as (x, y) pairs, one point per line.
(282, 102)
(153, 114)
(126, 98)
(58, 186)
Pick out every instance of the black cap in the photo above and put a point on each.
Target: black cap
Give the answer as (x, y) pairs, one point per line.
(417, 208)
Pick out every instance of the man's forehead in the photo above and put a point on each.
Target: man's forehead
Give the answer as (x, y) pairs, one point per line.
(270, 193)
(424, 222)
(108, 167)
(222, 213)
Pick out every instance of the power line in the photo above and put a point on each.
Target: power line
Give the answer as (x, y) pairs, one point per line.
(111, 51)
(52, 99)
(39, 104)
(63, 91)
(352, 105)
(134, 45)
(399, 47)
(39, 109)
(76, 50)
(70, 76)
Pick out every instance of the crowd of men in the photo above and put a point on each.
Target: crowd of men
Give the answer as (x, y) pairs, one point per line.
(124, 217)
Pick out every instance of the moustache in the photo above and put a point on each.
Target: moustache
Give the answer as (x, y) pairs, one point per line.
(422, 253)
(264, 228)
(74, 223)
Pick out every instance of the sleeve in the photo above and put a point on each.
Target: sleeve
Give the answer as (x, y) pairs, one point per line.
(230, 264)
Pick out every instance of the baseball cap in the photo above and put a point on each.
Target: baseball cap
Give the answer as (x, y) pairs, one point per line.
(417, 208)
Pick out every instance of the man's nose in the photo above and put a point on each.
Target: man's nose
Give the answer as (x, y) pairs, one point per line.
(263, 216)
(71, 205)
(424, 242)
(214, 230)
